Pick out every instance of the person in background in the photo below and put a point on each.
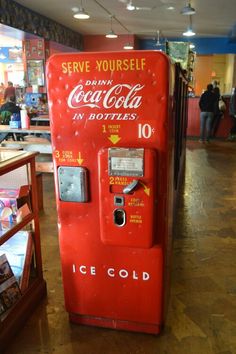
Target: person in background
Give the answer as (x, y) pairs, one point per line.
(6, 110)
(217, 112)
(42, 105)
(216, 88)
(10, 106)
(2, 88)
(207, 104)
(232, 113)
(10, 91)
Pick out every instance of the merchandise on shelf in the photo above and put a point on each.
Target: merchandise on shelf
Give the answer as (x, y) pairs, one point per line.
(11, 202)
(9, 288)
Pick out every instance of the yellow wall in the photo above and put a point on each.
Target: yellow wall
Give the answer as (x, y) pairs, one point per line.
(215, 67)
(202, 72)
(229, 73)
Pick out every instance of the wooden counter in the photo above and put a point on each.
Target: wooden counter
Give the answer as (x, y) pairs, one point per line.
(193, 129)
(32, 143)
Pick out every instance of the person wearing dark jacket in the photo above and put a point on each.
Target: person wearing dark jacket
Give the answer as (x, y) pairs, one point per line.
(218, 114)
(6, 110)
(10, 106)
(207, 106)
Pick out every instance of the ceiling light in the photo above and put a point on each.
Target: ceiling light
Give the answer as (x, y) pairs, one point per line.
(171, 8)
(128, 46)
(188, 10)
(130, 6)
(189, 32)
(81, 14)
(158, 41)
(111, 33)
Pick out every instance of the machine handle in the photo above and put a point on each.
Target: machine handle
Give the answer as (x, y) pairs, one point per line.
(128, 189)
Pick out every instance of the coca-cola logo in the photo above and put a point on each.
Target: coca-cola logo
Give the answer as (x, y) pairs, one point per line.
(118, 96)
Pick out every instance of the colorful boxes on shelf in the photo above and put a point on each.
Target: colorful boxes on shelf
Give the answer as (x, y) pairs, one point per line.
(11, 200)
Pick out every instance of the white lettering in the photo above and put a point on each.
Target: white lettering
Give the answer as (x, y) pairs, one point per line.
(128, 101)
(113, 273)
(123, 273)
(112, 116)
(82, 269)
(78, 116)
(120, 95)
(93, 270)
(87, 270)
(110, 272)
(89, 98)
(146, 276)
(98, 82)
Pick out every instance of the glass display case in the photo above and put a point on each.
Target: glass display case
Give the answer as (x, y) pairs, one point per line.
(21, 277)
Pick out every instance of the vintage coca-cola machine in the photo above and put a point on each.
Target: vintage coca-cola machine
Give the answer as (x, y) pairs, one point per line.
(111, 124)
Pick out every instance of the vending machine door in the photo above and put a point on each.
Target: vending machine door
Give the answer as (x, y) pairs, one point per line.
(127, 196)
(109, 119)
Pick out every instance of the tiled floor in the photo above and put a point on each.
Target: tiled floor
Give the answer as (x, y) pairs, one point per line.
(202, 310)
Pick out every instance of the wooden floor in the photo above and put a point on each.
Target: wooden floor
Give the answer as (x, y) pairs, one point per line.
(202, 310)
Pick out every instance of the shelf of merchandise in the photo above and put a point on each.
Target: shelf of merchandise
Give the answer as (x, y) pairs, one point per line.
(21, 310)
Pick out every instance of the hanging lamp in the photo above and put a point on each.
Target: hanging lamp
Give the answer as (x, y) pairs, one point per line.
(128, 46)
(111, 33)
(188, 10)
(130, 6)
(189, 32)
(81, 14)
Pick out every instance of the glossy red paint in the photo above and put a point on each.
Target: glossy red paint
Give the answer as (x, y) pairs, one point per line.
(111, 114)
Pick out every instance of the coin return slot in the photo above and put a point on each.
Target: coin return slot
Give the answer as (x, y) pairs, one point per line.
(119, 217)
(119, 201)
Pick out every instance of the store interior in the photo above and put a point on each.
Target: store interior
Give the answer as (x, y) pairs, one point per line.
(23, 58)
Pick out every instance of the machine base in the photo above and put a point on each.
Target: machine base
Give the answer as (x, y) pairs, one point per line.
(115, 324)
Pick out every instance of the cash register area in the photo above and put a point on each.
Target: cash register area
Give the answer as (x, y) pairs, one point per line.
(201, 315)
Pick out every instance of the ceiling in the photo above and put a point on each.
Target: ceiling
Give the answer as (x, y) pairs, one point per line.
(213, 18)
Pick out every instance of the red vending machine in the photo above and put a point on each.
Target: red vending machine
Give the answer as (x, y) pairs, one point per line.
(111, 124)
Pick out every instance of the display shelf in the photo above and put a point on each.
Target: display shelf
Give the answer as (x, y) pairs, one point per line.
(21, 277)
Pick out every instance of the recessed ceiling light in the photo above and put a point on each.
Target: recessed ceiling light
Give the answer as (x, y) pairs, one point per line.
(171, 8)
